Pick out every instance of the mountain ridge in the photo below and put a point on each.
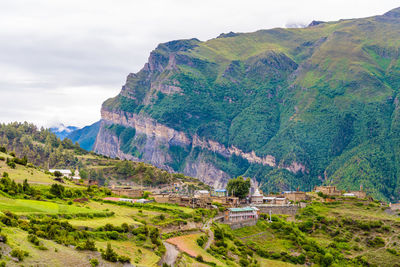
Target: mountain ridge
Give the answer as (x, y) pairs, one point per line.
(314, 99)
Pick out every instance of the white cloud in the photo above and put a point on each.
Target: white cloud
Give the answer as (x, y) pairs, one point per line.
(61, 59)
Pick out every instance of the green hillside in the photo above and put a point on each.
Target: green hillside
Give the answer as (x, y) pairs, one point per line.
(44, 222)
(322, 100)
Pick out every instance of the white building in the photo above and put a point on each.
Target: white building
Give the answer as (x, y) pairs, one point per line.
(202, 193)
(241, 214)
(65, 173)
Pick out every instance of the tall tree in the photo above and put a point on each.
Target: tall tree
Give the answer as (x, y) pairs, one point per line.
(239, 187)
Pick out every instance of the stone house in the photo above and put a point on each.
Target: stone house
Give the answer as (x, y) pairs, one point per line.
(127, 191)
(295, 196)
(281, 201)
(328, 190)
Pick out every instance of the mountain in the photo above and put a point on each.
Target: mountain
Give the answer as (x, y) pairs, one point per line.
(61, 131)
(288, 107)
(85, 136)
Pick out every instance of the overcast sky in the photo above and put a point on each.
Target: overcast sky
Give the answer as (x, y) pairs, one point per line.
(60, 59)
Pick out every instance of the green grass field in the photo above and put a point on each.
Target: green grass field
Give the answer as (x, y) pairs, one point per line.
(25, 206)
(98, 222)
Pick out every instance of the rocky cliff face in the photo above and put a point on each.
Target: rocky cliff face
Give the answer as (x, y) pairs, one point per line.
(288, 107)
(158, 140)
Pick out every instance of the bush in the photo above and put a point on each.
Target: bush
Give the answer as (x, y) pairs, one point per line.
(199, 258)
(11, 164)
(244, 262)
(306, 227)
(202, 240)
(109, 254)
(34, 240)
(94, 262)
(141, 237)
(124, 259)
(327, 259)
(88, 245)
(376, 242)
(19, 254)
(392, 251)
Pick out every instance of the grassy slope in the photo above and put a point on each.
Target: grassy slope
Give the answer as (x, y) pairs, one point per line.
(20, 173)
(355, 244)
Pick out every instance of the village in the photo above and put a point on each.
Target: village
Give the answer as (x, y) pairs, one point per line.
(236, 212)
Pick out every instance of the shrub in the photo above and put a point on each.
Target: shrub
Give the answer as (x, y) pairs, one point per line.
(376, 242)
(11, 164)
(88, 245)
(244, 262)
(392, 251)
(306, 226)
(124, 259)
(202, 240)
(218, 234)
(33, 239)
(109, 254)
(327, 259)
(94, 262)
(199, 258)
(19, 254)
(141, 237)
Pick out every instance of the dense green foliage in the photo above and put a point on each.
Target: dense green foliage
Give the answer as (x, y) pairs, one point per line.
(238, 187)
(38, 146)
(323, 98)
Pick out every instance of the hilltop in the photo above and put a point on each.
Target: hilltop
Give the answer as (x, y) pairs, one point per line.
(288, 107)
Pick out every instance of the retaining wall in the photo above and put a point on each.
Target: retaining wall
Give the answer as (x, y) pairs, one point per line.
(286, 209)
(236, 225)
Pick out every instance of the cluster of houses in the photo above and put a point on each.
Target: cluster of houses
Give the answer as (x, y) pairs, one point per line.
(286, 201)
(130, 200)
(333, 192)
(237, 211)
(200, 199)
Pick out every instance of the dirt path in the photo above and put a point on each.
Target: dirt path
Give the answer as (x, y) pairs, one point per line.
(170, 255)
(210, 239)
(210, 233)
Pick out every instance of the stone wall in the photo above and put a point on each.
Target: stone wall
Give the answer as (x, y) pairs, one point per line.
(240, 224)
(285, 209)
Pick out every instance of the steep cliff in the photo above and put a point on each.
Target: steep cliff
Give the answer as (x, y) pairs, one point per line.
(287, 107)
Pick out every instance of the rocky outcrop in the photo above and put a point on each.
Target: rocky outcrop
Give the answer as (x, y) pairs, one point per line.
(158, 140)
(207, 172)
(232, 150)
